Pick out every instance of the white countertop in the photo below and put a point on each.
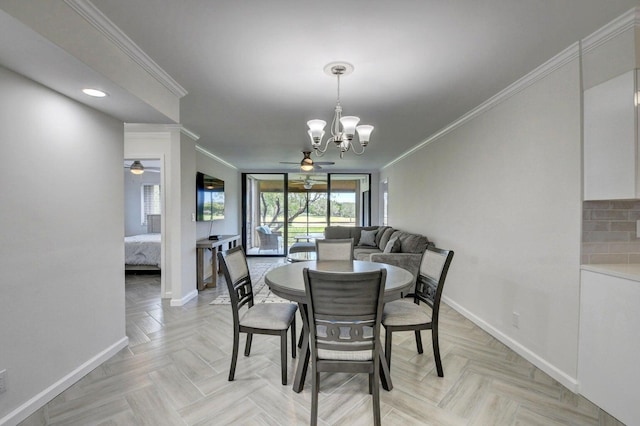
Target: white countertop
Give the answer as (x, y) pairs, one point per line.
(629, 271)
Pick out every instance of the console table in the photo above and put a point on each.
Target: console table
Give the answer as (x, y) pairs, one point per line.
(224, 242)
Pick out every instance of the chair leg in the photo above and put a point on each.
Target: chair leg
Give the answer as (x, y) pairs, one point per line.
(418, 341)
(283, 356)
(314, 397)
(376, 394)
(293, 338)
(247, 347)
(301, 328)
(436, 351)
(234, 355)
(387, 347)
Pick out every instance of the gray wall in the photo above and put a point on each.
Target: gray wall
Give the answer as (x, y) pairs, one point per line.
(503, 190)
(61, 256)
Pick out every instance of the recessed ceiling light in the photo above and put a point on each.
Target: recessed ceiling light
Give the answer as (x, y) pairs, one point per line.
(94, 92)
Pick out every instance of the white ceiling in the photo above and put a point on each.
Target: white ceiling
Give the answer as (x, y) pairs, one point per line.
(253, 69)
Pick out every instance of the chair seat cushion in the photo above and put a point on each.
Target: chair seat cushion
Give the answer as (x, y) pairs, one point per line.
(269, 316)
(405, 312)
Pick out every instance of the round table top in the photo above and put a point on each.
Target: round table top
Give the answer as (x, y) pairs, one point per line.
(287, 281)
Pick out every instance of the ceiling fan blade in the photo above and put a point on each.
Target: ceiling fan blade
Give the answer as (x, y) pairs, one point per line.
(324, 163)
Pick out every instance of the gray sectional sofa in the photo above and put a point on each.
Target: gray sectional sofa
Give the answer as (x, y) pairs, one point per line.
(405, 250)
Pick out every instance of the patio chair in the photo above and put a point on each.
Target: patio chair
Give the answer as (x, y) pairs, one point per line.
(408, 315)
(263, 318)
(268, 239)
(344, 327)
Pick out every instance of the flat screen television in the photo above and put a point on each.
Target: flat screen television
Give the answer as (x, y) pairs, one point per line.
(209, 198)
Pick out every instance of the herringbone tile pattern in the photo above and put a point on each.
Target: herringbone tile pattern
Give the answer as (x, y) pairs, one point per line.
(174, 372)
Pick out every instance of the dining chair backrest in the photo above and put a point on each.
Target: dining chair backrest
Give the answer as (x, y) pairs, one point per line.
(344, 311)
(233, 263)
(334, 249)
(433, 272)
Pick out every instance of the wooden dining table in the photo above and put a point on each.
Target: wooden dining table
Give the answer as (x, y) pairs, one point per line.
(288, 282)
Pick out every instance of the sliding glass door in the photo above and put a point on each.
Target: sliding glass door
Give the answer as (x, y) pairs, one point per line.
(264, 211)
(307, 206)
(281, 209)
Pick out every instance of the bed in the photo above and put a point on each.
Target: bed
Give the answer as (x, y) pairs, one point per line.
(142, 252)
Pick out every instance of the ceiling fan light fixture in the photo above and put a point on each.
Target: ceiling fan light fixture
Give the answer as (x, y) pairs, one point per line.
(306, 165)
(136, 168)
(343, 129)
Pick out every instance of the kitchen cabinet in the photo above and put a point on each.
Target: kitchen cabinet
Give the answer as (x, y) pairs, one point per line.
(611, 139)
(609, 339)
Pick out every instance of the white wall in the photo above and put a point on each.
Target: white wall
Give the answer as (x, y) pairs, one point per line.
(61, 254)
(503, 190)
(133, 201)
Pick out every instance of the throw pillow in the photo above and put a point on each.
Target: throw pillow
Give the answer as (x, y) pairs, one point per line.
(368, 238)
(393, 246)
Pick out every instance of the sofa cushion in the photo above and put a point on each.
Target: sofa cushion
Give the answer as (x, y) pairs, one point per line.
(411, 243)
(341, 232)
(368, 238)
(364, 253)
(393, 246)
(381, 230)
(385, 237)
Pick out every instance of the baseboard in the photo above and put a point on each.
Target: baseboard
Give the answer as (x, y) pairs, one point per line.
(33, 404)
(185, 299)
(567, 381)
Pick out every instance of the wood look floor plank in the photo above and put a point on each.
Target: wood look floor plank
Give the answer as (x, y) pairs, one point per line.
(177, 388)
(175, 371)
(150, 409)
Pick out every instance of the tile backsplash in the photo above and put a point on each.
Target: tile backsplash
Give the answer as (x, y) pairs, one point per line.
(609, 232)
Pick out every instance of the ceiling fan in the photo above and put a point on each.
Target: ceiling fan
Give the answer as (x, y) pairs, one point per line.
(137, 168)
(308, 181)
(307, 164)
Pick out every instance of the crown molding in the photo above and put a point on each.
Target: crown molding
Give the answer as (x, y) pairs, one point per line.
(97, 19)
(204, 151)
(623, 23)
(561, 59)
(160, 129)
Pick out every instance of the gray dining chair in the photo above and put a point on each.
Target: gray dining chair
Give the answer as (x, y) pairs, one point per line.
(409, 315)
(334, 249)
(345, 310)
(263, 318)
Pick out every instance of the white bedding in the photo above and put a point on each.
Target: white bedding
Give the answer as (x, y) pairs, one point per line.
(143, 249)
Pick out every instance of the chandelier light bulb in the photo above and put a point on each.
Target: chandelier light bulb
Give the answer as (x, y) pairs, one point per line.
(349, 124)
(364, 133)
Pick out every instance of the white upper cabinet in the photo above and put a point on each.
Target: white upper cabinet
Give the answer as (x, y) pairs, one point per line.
(611, 140)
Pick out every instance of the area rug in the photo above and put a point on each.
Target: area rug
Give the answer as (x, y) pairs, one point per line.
(261, 291)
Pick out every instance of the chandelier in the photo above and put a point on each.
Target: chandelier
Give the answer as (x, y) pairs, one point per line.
(344, 128)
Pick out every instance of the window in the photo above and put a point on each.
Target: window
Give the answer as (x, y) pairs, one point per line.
(385, 201)
(150, 201)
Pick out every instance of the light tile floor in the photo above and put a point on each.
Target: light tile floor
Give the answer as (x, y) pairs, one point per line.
(174, 372)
